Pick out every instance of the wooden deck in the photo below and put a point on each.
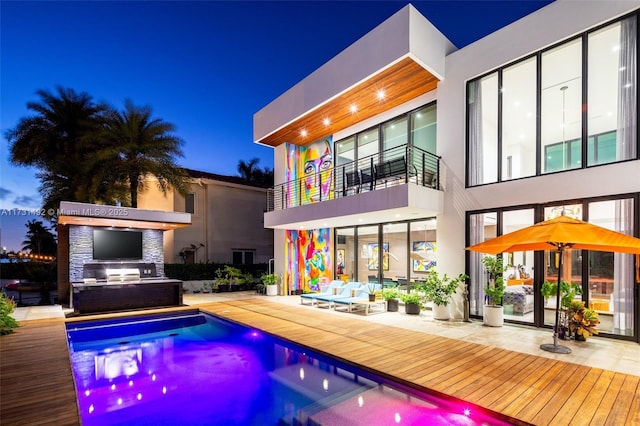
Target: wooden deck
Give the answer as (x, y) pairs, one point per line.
(36, 384)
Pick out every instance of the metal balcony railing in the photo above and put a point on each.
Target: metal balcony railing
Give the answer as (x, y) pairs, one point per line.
(394, 166)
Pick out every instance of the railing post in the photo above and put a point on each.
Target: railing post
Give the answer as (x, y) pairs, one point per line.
(424, 166)
(344, 178)
(283, 198)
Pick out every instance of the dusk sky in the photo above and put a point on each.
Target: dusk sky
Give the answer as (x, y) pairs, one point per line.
(204, 66)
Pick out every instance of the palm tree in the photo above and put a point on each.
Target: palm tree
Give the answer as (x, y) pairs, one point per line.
(247, 169)
(39, 239)
(144, 147)
(62, 141)
(250, 172)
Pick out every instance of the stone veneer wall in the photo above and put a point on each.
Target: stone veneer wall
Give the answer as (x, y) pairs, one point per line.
(81, 250)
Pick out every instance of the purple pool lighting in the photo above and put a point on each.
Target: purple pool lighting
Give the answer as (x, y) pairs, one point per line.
(195, 369)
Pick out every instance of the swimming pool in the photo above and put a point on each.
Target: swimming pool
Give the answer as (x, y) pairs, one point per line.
(196, 369)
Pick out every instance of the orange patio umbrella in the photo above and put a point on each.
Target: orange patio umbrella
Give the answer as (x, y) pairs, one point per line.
(559, 234)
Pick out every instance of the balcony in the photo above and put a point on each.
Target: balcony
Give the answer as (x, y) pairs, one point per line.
(404, 181)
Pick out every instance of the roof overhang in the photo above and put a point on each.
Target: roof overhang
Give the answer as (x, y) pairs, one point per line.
(399, 83)
(72, 213)
(399, 60)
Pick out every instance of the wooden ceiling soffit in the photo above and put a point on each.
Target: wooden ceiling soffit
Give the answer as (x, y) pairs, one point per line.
(400, 83)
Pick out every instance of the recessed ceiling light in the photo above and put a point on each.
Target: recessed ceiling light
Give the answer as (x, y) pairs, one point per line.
(353, 108)
(303, 132)
(381, 94)
(326, 121)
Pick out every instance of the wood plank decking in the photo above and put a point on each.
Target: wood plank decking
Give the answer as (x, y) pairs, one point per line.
(36, 383)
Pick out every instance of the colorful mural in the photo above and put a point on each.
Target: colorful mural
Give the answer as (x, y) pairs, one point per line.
(309, 172)
(314, 165)
(308, 257)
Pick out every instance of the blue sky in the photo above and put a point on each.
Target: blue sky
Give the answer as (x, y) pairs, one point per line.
(205, 66)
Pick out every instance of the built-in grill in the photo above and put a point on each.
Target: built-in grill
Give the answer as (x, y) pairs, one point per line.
(122, 275)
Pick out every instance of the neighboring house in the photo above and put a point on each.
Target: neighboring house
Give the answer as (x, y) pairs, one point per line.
(227, 223)
(402, 150)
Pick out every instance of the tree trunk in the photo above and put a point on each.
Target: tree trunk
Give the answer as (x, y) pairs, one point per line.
(133, 183)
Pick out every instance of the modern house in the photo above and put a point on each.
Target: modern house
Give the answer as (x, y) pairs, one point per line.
(403, 150)
(227, 223)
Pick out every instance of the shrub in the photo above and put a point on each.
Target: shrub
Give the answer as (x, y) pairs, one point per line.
(7, 322)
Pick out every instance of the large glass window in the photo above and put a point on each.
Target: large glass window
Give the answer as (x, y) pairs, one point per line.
(345, 151)
(394, 135)
(519, 120)
(345, 253)
(369, 259)
(395, 257)
(561, 114)
(482, 227)
(612, 107)
(385, 142)
(368, 146)
(423, 248)
(482, 110)
(611, 275)
(609, 98)
(345, 155)
(518, 300)
(423, 128)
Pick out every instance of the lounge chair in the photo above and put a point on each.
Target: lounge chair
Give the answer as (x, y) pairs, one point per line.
(360, 295)
(342, 293)
(325, 290)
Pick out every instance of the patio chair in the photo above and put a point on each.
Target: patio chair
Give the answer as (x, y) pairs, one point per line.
(341, 293)
(325, 290)
(359, 295)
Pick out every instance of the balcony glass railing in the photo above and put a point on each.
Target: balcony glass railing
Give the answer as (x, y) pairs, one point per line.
(394, 166)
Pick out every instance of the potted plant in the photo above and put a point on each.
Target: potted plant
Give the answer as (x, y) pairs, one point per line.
(222, 280)
(439, 290)
(494, 290)
(412, 303)
(568, 292)
(270, 282)
(374, 290)
(582, 321)
(391, 295)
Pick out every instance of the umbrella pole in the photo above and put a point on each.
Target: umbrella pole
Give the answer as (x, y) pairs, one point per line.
(555, 348)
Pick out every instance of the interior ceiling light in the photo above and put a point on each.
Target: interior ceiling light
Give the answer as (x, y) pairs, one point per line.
(303, 132)
(354, 108)
(381, 94)
(326, 121)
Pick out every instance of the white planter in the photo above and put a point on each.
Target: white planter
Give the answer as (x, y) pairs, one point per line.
(440, 312)
(493, 316)
(272, 289)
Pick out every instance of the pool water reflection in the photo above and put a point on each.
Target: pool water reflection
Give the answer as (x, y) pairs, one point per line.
(195, 369)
